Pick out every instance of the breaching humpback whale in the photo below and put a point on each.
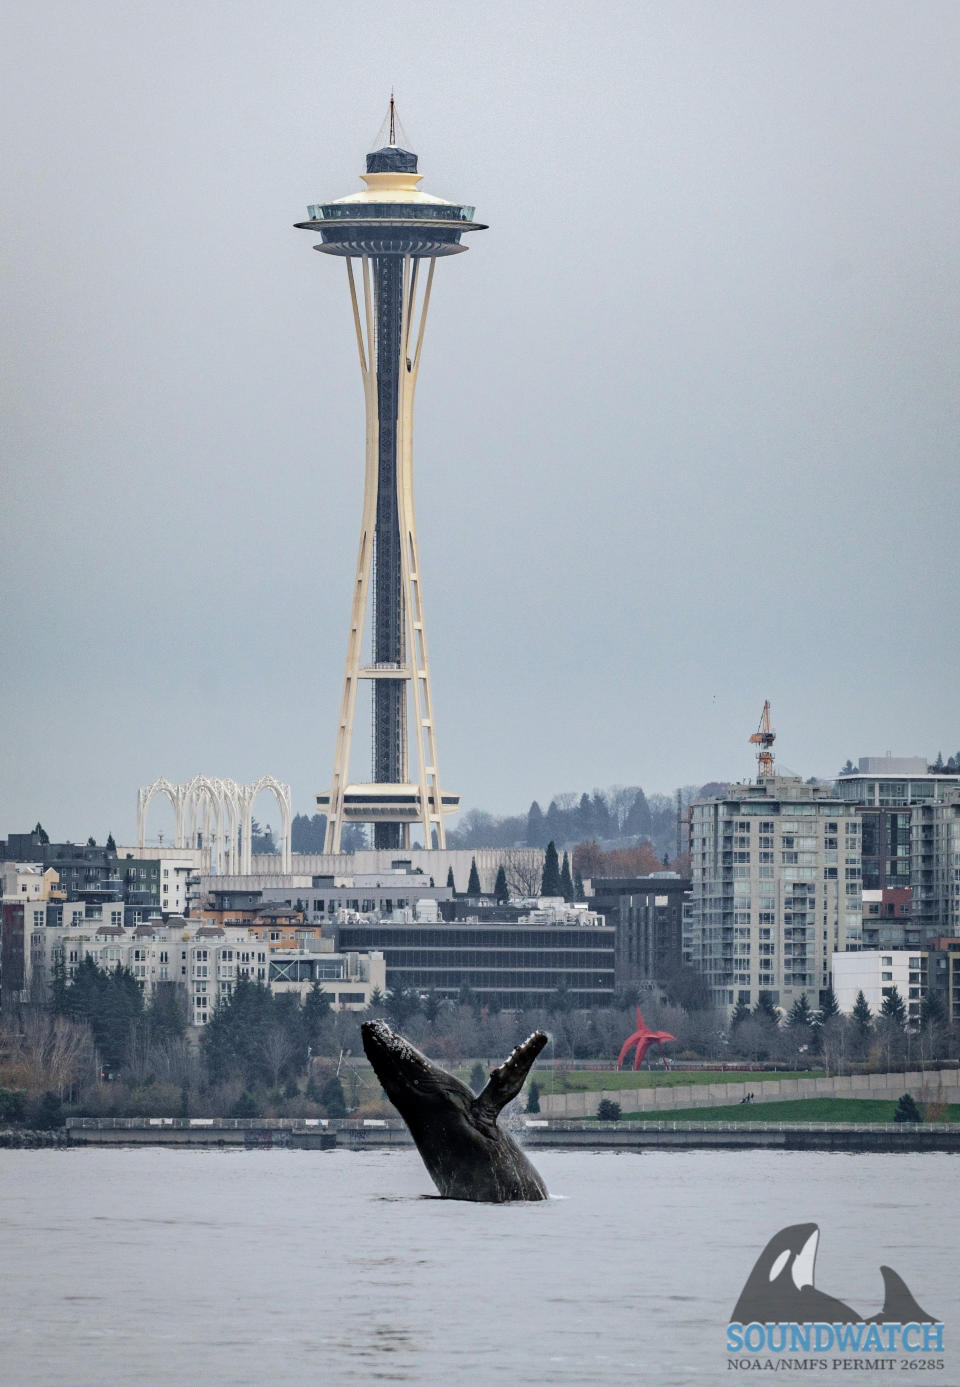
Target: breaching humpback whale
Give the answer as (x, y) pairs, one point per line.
(467, 1155)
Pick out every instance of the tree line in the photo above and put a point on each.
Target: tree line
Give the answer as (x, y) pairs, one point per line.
(101, 1049)
(620, 812)
(861, 1038)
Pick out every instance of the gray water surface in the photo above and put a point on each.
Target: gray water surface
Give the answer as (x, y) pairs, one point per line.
(286, 1267)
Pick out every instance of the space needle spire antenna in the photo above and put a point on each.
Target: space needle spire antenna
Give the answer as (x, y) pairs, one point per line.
(391, 235)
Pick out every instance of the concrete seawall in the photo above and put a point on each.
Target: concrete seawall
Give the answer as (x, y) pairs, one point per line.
(306, 1133)
(354, 1135)
(931, 1086)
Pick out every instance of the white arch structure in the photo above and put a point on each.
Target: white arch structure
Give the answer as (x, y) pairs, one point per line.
(221, 812)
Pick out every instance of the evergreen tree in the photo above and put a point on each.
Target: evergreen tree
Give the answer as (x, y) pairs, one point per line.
(826, 1016)
(639, 822)
(566, 880)
(12, 1105)
(401, 1003)
(234, 1041)
(585, 821)
(603, 828)
(307, 833)
(466, 997)
(533, 1097)
(166, 1014)
(741, 1012)
(800, 1013)
(473, 884)
(765, 1008)
(536, 837)
(907, 1110)
(353, 838)
(246, 1106)
(931, 1010)
(829, 1005)
(608, 1110)
(501, 892)
(550, 881)
(58, 989)
(376, 1000)
(478, 1079)
(316, 1011)
(450, 881)
(893, 1008)
(332, 1098)
(49, 1113)
(111, 845)
(41, 832)
(578, 892)
(111, 1003)
(862, 1015)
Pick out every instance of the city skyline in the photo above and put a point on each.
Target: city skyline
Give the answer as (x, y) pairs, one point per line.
(701, 460)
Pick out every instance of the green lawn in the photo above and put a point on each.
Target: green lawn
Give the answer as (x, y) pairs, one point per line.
(593, 1080)
(789, 1110)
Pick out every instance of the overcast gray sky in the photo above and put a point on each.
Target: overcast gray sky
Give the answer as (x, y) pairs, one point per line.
(686, 423)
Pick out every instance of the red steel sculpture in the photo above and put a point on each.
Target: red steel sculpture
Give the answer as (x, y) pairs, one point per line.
(643, 1037)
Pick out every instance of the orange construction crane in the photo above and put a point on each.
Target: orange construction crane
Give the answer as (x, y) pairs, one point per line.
(764, 737)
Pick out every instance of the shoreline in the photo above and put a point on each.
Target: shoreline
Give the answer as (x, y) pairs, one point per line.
(321, 1134)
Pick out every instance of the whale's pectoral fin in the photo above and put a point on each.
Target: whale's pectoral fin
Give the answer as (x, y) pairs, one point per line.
(507, 1079)
(899, 1306)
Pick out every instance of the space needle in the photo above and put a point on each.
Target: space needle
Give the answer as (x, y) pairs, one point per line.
(391, 235)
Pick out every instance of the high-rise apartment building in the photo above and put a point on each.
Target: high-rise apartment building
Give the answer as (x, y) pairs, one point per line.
(935, 866)
(885, 791)
(776, 883)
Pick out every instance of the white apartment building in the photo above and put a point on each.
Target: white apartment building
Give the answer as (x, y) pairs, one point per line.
(876, 974)
(776, 882)
(206, 960)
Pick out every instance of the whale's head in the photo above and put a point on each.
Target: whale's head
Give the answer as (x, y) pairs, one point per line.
(414, 1086)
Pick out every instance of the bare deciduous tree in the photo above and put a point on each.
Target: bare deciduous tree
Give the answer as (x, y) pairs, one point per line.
(277, 1050)
(54, 1051)
(524, 871)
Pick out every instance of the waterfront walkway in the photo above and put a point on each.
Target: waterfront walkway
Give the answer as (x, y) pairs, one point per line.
(926, 1086)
